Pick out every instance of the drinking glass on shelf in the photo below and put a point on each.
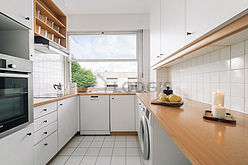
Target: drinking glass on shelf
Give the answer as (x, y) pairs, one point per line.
(43, 18)
(37, 13)
(50, 23)
(56, 28)
(57, 40)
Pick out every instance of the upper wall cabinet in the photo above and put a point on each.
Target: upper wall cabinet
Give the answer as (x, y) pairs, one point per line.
(204, 15)
(172, 26)
(155, 32)
(50, 22)
(20, 11)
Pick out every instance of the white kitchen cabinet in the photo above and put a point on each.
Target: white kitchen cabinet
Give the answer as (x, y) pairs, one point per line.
(21, 11)
(155, 32)
(17, 148)
(172, 26)
(122, 113)
(67, 120)
(203, 16)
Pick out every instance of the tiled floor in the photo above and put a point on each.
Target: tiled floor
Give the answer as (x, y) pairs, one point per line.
(100, 150)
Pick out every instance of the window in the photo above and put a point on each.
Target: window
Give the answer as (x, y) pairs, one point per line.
(113, 58)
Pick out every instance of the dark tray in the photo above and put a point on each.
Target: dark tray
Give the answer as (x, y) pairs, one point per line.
(166, 103)
(228, 119)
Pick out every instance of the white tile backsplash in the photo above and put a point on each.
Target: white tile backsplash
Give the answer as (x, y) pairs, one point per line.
(223, 69)
(48, 70)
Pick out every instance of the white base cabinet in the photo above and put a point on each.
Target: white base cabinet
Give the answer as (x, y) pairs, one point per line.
(67, 120)
(122, 113)
(18, 147)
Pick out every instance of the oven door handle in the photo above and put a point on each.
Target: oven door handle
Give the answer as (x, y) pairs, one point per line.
(14, 75)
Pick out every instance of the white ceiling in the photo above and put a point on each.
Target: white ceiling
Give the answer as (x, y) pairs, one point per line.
(107, 6)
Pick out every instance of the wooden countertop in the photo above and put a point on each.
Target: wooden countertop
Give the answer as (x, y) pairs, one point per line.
(202, 141)
(40, 101)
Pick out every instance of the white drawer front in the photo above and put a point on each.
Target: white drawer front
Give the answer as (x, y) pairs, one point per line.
(44, 109)
(45, 150)
(44, 121)
(45, 132)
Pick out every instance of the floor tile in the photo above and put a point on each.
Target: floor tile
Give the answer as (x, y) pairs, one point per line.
(67, 151)
(73, 144)
(132, 152)
(96, 144)
(118, 161)
(133, 161)
(108, 144)
(106, 152)
(77, 138)
(120, 152)
(120, 139)
(131, 138)
(59, 160)
(88, 160)
(103, 161)
(119, 144)
(80, 151)
(131, 144)
(73, 160)
(109, 139)
(88, 138)
(93, 152)
(84, 144)
(99, 138)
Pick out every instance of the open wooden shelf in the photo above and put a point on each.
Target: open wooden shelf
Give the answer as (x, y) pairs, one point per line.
(49, 9)
(205, 43)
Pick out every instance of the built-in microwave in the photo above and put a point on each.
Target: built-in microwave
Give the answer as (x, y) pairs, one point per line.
(16, 94)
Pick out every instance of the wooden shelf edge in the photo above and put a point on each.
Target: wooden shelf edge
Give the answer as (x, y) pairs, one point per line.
(48, 28)
(49, 15)
(37, 34)
(230, 29)
(56, 10)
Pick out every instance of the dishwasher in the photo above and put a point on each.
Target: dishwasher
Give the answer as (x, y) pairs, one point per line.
(94, 115)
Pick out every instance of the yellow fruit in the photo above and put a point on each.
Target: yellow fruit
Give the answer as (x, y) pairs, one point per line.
(163, 97)
(173, 98)
(180, 99)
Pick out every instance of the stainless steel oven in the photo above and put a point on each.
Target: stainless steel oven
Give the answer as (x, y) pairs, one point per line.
(16, 94)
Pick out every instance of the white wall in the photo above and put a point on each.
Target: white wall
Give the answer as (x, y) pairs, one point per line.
(99, 22)
(225, 69)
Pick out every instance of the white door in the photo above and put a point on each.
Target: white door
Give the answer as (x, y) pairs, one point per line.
(172, 26)
(204, 15)
(122, 113)
(67, 120)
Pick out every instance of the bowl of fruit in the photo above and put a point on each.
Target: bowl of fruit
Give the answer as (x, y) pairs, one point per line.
(170, 100)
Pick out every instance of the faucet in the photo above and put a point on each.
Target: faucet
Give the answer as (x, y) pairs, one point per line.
(57, 85)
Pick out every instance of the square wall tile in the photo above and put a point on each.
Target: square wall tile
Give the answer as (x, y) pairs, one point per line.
(103, 161)
(238, 62)
(246, 91)
(246, 60)
(74, 160)
(207, 97)
(118, 161)
(246, 46)
(225, 64)
(237, 49)
(237, 76)
(226, 88)
(215, 77)
(206, 58)
(225, 53)
(246, 105)
(214, 66)
(246, 76)
(215, 56)
(225, 77)
(238, 104)
(227, 101)
(88, 160)
(237, 90)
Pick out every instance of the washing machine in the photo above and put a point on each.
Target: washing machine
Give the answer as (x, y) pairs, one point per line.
(146, 135)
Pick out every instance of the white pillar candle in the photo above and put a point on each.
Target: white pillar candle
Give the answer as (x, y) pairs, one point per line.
(219, 111)
(218, 98)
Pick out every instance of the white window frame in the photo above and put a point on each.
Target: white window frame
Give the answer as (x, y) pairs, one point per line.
(139, 51)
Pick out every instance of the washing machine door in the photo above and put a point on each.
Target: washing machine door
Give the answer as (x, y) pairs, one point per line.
(144, 138)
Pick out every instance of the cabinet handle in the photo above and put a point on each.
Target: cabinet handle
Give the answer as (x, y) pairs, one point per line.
(60, 104)
(139, 103)
(44, 109)
(45, 132)
(45, 121)
(161, 54)
(113, 98)
(158, 56)
(27, 18)
(188, 33)
(46, 144)
(29, 134)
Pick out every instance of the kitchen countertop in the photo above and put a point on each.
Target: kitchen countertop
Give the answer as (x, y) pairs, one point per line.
(202, 141)
(43, 100)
